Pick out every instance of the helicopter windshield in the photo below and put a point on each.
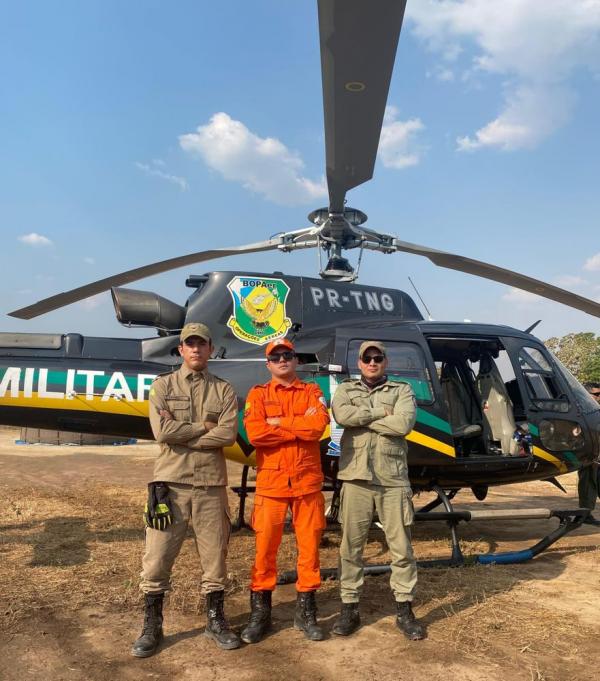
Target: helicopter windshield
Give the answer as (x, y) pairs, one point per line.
(584, 400)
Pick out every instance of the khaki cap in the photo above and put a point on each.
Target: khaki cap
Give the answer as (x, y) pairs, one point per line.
(196, 329)
(371, 344)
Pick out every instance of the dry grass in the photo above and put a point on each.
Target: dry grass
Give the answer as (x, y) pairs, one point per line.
(80, 548)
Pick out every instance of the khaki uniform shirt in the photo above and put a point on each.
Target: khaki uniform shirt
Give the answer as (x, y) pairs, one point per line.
(189, 453)
(373, 444)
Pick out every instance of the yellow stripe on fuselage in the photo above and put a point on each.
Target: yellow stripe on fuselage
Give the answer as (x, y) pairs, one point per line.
(543, 454)
(431, 443)
(140, 409)
(78, 403)
(112, 406)
(235, 453)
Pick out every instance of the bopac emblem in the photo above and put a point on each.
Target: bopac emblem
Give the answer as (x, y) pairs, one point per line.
(258, 309)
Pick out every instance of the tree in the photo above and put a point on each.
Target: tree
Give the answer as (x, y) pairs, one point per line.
(580, 353)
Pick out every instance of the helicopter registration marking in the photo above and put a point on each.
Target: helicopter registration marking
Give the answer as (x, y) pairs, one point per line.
(372, 301)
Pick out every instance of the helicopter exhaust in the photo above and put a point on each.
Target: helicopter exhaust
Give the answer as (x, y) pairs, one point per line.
(144, 308)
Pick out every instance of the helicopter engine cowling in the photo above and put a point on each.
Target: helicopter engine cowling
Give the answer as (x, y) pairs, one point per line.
(144, 308)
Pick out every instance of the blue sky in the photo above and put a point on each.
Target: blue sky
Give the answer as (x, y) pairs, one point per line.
(132, 132)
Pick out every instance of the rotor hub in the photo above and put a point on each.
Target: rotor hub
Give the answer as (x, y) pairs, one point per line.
(351, 215)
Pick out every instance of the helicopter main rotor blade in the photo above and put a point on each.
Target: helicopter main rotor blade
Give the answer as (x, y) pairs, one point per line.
(358, 47)
(82, 292)
(504, 276)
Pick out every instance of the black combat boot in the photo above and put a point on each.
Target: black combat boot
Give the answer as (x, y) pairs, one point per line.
(217, 626)
(305, 617)
(407, 622)
(152, 632)
(348, 621)
(260, 617)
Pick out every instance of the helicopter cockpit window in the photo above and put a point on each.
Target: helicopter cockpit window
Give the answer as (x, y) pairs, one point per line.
(406, 362)
(541, 381)
(584, 400)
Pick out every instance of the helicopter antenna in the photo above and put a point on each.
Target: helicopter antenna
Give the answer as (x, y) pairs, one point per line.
(529, 329)
(421, 299)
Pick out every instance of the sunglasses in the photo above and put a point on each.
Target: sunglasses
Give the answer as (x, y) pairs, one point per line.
(367, 359)
(277, 357)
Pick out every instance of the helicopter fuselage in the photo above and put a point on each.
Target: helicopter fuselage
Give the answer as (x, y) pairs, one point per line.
(494, 406)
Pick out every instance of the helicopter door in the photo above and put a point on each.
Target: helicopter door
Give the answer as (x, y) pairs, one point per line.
(550, 409)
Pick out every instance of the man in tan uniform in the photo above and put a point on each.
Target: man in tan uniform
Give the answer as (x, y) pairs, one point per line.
(588, 485)
(376, 415)
(193, 415)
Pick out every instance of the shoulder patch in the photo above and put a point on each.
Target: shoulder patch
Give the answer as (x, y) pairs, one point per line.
(259, 386)
(163, 375)
(217, 379)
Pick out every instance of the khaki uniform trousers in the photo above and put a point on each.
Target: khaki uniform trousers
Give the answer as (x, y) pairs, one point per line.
(588, 485)
(207, 509)
(396, 513)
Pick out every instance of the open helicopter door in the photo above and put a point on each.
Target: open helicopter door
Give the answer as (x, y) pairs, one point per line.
(553, 420)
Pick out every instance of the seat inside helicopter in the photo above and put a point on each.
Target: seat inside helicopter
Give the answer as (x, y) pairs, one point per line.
(482, 397)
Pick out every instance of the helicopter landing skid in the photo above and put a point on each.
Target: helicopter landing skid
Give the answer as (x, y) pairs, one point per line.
(567, 521)
(242, 492)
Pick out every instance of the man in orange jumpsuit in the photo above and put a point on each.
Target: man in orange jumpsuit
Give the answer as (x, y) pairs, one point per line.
(285, 419)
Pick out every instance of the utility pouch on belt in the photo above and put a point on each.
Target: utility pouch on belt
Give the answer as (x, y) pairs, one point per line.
(157, 512)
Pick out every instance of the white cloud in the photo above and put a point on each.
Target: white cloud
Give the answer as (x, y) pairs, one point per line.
(89, 261)
(262, 164)
(398, 147)
(534, 46)
(592, 264)
(154, 169)
(35, 239)
(570, 280)
(93, 302)
(521, 298)
(531, 114)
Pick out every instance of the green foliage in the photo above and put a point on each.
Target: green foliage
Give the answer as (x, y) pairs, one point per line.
(580, 353)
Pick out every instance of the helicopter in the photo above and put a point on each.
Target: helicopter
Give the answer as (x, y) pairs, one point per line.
(493, 405)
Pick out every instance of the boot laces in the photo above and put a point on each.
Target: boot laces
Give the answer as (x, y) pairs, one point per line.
(152, 620)
(217, 617)
(256, 616)
(310, 609)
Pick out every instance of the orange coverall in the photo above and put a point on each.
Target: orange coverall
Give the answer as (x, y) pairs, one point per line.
(289, 476)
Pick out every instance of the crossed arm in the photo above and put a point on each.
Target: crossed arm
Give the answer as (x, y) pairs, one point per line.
(270, 431)
(195, 435)
(384, 420)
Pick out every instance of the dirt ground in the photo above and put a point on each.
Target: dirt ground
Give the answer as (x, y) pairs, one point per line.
(71, 540)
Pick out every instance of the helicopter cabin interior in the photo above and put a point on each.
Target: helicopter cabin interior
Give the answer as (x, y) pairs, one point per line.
(476, 388)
